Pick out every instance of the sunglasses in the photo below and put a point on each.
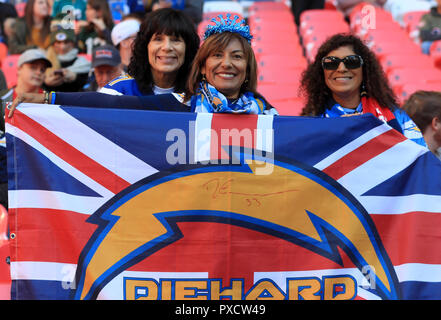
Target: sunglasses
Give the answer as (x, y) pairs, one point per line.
(351, 62)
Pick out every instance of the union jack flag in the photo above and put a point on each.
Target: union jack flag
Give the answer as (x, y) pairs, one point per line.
(350, 208)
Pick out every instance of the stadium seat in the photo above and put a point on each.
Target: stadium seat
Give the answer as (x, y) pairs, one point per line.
(400, 77)
(410, 88)
(20, 8)
(279, 91)
(266, 6)
(289, 107)
(224, 6)
(412, 19)
(390, 47)
(405, 60)
(435, 53)
(9, 67)
(3, 52)
(288, 75)
(5, 274)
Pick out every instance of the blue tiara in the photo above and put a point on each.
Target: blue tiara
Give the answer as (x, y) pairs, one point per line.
(228, 25)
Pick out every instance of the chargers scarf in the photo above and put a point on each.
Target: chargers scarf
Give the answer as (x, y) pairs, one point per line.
(208, 99)
(367, 105)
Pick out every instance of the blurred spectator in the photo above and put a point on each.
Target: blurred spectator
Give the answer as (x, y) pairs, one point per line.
(430, 28)
(106, 63)
(424, 107)
(123, 35)
(193, 8)
(95, 31)
(31, 67)
(346, 6)
(76, 9)
(297, 7)
(33, 29)
(69, 71)
(3, 84)
(7, 15)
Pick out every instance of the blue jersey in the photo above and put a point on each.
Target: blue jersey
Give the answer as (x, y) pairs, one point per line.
(403, 122)
(124, 85)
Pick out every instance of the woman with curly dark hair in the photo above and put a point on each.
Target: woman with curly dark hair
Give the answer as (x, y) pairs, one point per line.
(346, 79)
(163, 51)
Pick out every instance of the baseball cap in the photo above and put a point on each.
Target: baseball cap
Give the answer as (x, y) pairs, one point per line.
(62, 35)
(124, 30)
(105, 55)
(33, 55)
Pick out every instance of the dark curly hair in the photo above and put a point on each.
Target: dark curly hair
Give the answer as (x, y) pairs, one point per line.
(316, 91)
(163, 21)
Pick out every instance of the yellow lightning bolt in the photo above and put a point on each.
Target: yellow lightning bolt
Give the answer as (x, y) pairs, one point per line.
(281, 198)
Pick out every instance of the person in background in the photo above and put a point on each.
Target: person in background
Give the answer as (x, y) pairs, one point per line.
(69, 72)
(106, 64)
(430, 28)
(123, 35)
(346, 6)
(223, 79)
(347, 79)
(31, 67)
(424, 107)
(163, 51)
(8, 14)
(193, 8)
(76, 9)
(31, 31)
(95, 30)
(298, 6)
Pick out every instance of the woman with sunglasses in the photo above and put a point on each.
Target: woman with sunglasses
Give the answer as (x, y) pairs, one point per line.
(347, 79)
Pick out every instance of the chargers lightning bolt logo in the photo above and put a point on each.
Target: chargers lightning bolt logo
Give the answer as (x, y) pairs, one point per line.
(313, 211)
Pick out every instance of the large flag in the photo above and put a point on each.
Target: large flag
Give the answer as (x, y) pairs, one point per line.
(128, 204)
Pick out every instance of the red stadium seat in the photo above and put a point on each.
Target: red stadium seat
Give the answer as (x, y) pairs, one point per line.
(435, 53)
(289, 107)
(390, 47)
(20, 8)
(410, 88)
(5, 274)
(405, 60)
(412, 19)
(279, 91)
(289, 75)
(400, 77)
(9, 67)
(3, 52)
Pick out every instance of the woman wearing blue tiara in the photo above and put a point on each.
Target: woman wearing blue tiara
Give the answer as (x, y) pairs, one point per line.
(223, 79)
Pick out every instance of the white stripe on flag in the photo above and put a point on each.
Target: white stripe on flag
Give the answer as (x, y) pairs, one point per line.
(361, 179)
(89, 142)
(54, 200)
(51, 271)
(92, 184)
(401, 204)
(202, 137)
(265, 133)
(351, 146)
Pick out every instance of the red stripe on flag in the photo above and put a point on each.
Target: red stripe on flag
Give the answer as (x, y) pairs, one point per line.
(364, 153)
(48, 234)
(60, 236)
(231, 130)
(65, 151)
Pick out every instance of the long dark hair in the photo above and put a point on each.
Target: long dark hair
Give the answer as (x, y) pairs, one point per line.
(29, 20)
(103, 7)
(317, 93)
(163, 21)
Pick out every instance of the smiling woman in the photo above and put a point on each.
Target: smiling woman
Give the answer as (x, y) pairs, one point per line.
(163, 51)
(222, 79)
(347, 79)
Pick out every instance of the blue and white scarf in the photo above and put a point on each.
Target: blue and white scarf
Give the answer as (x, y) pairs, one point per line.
(209, 99)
